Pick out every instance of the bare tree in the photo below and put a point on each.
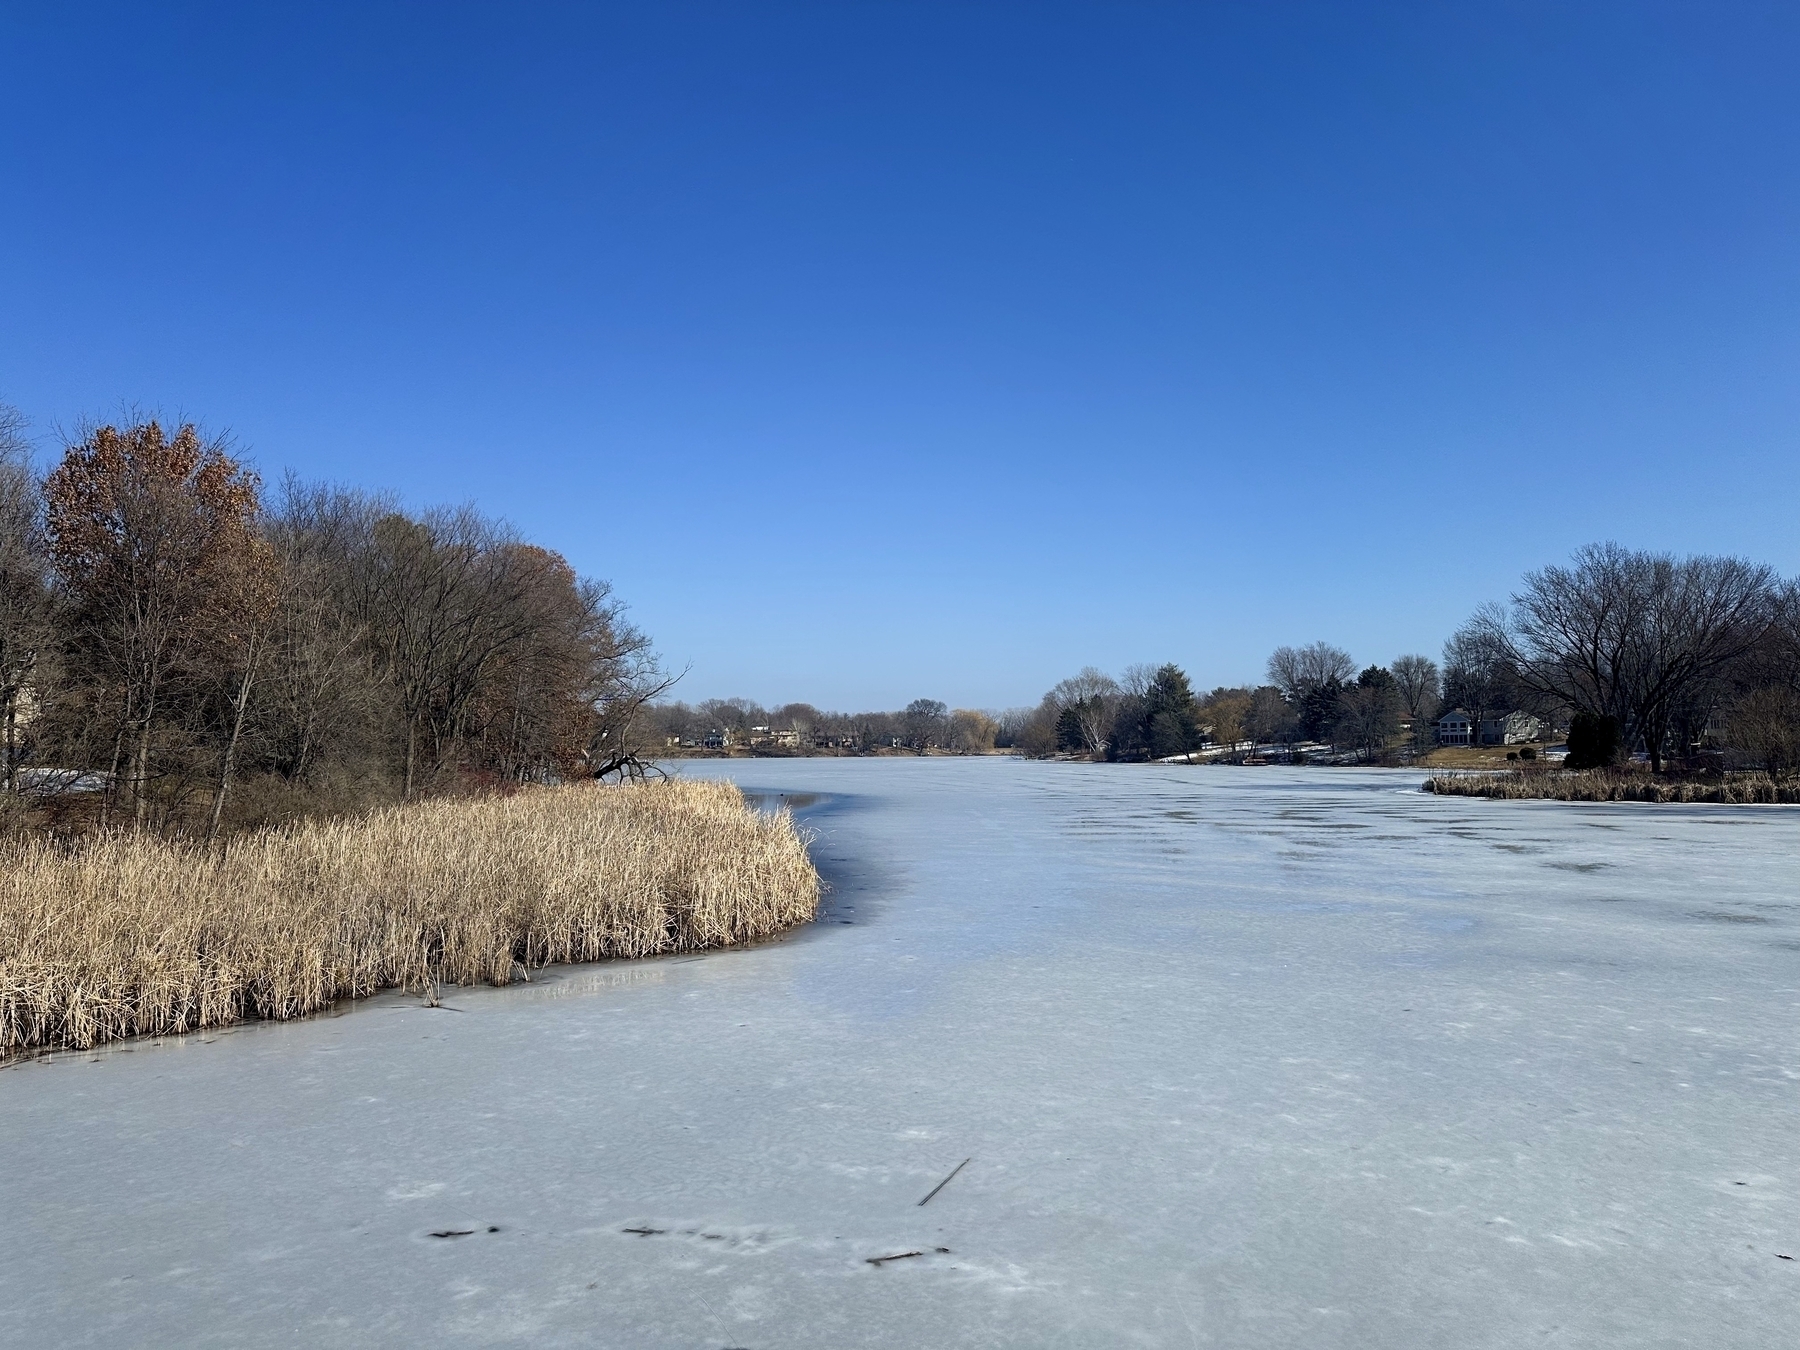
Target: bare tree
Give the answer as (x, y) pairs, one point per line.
(1416, 681)
(25, 599)
(802, 719)
(733, 716)
(1633, 636)
(1764, 728)
(451, 598)
(1013, 724)
(1369, 713)
(1271, 718)
(421, 580)
(1135, 680)
(1032, 731)
(926, 723)
(246, 602)
(1481, 673)
(624, 678)
(498, 659)
(1298, 671)
(1705, 614)
(321, 697)
(1089, 702)
(876, 730)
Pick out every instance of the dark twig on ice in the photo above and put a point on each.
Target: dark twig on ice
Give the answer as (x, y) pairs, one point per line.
(947, 1180)
(901, 1256)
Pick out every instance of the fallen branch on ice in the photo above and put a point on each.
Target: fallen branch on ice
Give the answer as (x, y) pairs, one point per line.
(947, 1180)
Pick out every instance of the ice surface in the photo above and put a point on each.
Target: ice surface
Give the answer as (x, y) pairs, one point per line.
(1241, 1057)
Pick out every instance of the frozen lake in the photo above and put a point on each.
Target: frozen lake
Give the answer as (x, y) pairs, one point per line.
(1239, 1057)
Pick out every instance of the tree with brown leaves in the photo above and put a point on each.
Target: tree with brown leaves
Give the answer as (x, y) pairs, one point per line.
(155, 539)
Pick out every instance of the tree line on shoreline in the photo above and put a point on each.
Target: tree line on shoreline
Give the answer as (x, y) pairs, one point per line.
(1686, 663)
(179, 655)
(723, 724)
(1691, 663)
(1150, 712)
(1315, 696)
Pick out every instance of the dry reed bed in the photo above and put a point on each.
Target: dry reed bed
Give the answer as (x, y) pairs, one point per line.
(1600, 785)
(128, 936)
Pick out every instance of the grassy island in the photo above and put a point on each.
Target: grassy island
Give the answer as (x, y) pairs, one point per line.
(125, 935)
(1616, 785)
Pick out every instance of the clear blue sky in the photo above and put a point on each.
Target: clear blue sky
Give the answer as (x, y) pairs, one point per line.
(886, 351)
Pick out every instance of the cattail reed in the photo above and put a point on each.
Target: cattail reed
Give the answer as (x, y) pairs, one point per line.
(1604, 785)
(131, 935)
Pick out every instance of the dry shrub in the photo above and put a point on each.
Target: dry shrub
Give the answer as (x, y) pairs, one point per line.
(1603, 785)
(124, 936)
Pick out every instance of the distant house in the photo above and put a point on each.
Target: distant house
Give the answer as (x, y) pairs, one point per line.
(782, 736)
(1457, 727)
(1712, 733)
(1516, 728)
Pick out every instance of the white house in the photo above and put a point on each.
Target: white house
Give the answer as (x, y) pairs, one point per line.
(1456, 727)
(1515, 728)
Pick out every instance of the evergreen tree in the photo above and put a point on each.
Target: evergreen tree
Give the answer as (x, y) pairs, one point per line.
(1319, 710)
(1068, 730)
(1376, 677)
(1593, 741)
(1172, 714)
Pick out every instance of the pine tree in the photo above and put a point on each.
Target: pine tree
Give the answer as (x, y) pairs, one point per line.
(1593, 741)
(1172, 721)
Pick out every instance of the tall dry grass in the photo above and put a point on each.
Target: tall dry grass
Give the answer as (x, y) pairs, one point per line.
(127, 936)
(1604, 785)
